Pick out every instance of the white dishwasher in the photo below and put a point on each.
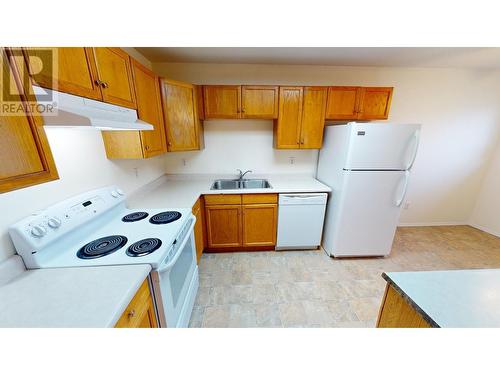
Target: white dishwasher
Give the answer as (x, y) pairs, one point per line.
(300, 220)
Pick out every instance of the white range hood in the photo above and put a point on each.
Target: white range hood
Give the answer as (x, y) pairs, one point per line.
(75, 111)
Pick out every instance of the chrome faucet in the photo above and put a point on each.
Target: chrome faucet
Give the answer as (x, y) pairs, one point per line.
(242, 174)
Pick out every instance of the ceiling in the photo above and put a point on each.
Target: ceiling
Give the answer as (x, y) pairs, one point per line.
(435, 57)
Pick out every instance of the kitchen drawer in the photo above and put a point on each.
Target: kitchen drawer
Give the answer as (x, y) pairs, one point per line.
(222, 199)
(259, 198)
(139, 312)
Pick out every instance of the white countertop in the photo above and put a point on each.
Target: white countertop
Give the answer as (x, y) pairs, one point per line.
(69, 297)
(458, 298)
(183, 190)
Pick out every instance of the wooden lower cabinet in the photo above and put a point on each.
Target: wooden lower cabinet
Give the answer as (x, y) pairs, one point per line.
(199, 228)
(140, 312)
(223, 225)
(259, 224)
(241, 222)
(396, 312)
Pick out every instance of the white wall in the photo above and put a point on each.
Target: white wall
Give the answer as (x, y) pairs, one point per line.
(486, 214)
(458, 109)
(243, 144)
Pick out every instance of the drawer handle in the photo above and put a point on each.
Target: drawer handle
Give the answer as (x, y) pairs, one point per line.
(131, 313)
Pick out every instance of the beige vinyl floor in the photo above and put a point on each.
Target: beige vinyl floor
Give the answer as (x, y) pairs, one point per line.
(310, 289)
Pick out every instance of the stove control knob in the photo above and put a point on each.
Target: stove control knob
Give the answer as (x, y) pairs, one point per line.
(54, 222)
(120, 191)
(38, 231)
(114, 194)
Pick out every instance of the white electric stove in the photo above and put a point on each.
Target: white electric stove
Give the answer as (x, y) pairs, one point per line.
(96, 229)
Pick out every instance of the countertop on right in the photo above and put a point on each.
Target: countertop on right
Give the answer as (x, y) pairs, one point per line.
(452, 299)
(182, 191)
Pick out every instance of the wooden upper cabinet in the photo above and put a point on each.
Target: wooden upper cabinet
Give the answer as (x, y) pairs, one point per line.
(259, 224)
(358, 103)
(115, 76)
(375, 103)
(301, 118)
(223, 225)
(25, 154)
(259, 102)
(135, 144)
(149, 108)
(182, 122)
(343, 103)
(67, 69)
(222, 101)
(313, 117)
(287, 127)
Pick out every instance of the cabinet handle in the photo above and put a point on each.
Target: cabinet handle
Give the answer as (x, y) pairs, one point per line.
(104, 85)
(131, 313)
(243, 110)
(98, 82)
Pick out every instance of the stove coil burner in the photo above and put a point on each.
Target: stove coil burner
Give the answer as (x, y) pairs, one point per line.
(165, 217)
(143, 247)
(101, 247)
(134, 216)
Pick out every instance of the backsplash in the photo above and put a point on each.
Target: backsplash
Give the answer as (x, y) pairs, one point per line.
(243, 144)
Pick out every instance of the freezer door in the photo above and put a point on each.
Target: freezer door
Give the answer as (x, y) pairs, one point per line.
(382, 146)
(366, 213)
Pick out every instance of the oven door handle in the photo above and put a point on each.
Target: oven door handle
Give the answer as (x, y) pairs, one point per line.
(181, 247)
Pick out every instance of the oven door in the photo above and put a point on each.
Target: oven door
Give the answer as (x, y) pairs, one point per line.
(176, 281)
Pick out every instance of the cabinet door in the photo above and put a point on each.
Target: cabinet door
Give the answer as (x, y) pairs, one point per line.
(198, 211)
(149, 109)
(223, 225)
(287, 128)
(179, 108)
(259, 102)
(259, 224)
(25, 155)
(343, 103)
(140, 311)
(222, 101)
(71, 70)
(313, 117)
(375, 103)
(115, 73)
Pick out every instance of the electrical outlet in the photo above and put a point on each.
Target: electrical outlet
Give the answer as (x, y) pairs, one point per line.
(407, 205)
(184, 162)
(136, 171)
(292, 159)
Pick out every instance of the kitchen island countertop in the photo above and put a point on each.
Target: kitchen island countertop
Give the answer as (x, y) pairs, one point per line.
(453, 299)
(182, 191)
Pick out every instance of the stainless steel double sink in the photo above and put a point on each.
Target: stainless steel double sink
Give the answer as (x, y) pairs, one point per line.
(240, 184)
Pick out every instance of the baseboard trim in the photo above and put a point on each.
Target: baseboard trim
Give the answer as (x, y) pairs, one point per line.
(433, 224)
(485, 229)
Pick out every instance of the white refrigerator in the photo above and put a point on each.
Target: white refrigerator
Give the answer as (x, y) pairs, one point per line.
(367, 165)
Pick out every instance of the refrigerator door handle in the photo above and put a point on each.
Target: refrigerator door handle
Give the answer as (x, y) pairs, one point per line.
(399, 201)
(416, 141)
